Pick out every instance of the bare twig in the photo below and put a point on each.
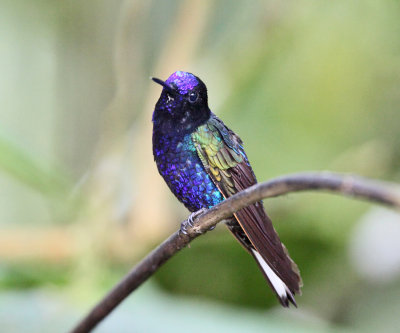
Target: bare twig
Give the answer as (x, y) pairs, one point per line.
(347, 185)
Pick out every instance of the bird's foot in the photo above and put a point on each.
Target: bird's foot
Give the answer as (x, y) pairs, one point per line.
(190, 221)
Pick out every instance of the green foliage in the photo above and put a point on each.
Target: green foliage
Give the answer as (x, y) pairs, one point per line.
(218, 268)
(31, 171)
(33, 274)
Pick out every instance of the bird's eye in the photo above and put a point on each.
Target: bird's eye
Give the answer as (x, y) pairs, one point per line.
(193, 97)
(169, 98)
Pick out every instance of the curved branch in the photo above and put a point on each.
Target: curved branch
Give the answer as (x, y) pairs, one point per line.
(346, 185)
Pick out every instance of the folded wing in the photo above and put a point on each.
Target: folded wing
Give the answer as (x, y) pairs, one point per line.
(223, 156)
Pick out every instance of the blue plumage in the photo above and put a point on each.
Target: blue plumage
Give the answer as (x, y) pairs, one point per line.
(203, 162)
(180, 166)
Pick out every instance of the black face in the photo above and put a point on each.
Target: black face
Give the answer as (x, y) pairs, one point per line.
(182, 106)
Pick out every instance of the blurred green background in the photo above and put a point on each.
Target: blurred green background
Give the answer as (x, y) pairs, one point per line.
(308, 85)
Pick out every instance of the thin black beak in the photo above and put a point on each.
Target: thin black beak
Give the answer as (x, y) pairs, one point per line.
(170, 89)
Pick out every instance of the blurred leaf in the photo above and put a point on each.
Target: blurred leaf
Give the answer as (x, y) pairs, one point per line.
(31, 171)
(33, 274)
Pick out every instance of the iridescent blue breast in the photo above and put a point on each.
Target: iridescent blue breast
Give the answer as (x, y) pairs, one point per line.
(181, 168)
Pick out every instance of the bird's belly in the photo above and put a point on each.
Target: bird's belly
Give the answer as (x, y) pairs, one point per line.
(185, 175)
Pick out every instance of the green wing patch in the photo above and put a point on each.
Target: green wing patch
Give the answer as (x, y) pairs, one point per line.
(216, 156)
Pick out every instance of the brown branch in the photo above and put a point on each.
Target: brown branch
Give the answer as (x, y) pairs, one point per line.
(347, 185)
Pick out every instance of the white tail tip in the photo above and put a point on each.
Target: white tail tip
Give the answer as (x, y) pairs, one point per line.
(281, 289)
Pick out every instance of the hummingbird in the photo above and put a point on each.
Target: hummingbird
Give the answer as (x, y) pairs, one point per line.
(203, 162)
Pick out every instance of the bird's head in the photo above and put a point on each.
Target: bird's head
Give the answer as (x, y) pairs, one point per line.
(182, 105)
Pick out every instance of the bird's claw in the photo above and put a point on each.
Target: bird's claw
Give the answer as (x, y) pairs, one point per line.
(189, 223)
